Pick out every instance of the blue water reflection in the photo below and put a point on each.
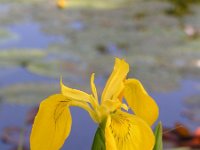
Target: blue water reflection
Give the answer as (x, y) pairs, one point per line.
(10, 76)
(30, 36)
(172, 103)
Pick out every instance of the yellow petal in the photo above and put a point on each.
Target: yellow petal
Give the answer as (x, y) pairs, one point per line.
(140, 102)
(94, 97)
(110, 106)
(107, 107)
(93, 87)
(115, 85)
(74, 94)
(52, 124)
(109, 138)
(129, 133)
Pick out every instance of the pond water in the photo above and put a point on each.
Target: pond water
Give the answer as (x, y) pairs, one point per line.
(83, 42)
(31, 34)
(172, 103)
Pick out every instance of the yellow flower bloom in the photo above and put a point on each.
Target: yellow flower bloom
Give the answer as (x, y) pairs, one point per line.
(122, 130)
(62, 3)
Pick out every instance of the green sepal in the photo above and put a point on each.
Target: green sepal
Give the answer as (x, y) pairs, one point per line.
(99, 138)
(158, 137)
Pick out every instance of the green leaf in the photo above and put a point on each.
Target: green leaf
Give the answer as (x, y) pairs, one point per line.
(99, 138)
(158, 136)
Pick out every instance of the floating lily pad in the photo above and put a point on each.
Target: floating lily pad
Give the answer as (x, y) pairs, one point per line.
(156, 46)
(55, 68)
(33, 93)
(17, 53)
(21, 1)
(156, 78)
(27, 93)
(103, 4)
(6, 36)
(185, 59)
(17, 57)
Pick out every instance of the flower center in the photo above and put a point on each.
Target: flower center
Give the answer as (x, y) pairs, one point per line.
(120, 127)
(106, 108)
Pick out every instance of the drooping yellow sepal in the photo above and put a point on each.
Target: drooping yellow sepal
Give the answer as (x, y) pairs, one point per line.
(140, 102)
(52, 124)
(128, 132)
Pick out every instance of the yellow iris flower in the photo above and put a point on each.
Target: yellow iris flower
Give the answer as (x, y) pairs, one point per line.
(122, 130)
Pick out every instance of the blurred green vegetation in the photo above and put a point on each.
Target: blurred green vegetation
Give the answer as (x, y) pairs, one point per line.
(181, 7)
(6, 36)
(27, 93)
(19, 57)
(142, 33)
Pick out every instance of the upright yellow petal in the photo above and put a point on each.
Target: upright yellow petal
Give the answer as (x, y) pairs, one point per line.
(129, 133)
(115, 85)
(140, 102)
(94, 90)
(52, 124)
(73, 93)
